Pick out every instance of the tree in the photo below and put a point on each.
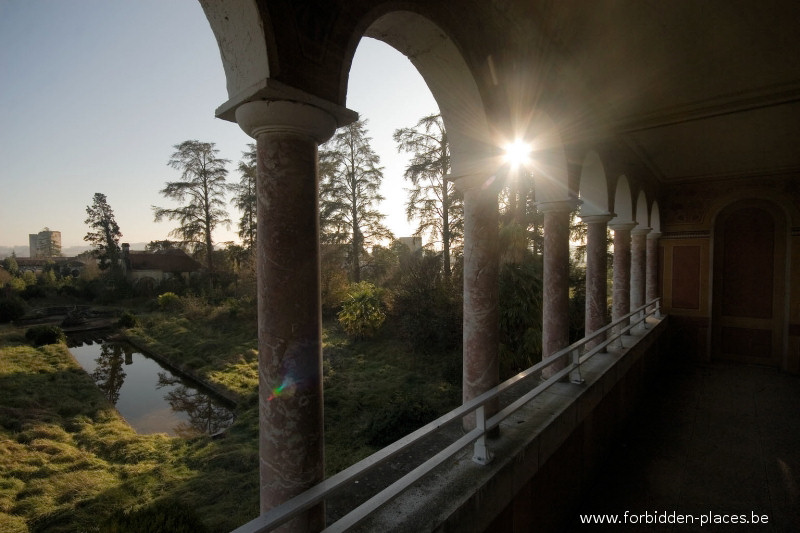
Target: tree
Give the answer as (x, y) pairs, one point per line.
(10, 264)
(433, 200)
(350, 181)
(201, 191)
(245, 197)
(104, 233)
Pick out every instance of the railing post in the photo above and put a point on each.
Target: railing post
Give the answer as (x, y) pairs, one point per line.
(643, 315)
(658, 309)
(481, 453)
(575, 373)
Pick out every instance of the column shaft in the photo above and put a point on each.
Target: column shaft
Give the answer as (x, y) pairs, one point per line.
(621, 303)
(291, 447)
(481, 370)
(651, 285)
(290, 325)
(596, 276)
(555, 281)
(638, 266)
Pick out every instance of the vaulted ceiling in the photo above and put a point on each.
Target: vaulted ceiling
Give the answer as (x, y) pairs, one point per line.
(697, 88)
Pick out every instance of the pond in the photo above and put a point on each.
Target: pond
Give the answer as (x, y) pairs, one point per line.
(150, 396)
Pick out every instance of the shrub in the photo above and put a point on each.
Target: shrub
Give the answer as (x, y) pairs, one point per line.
(128, 320)
(160, 517)
(428, 307)
(169, 301)
(44, 334)
(520, 315)
(11, 309)
(362, 311)
(405, 413)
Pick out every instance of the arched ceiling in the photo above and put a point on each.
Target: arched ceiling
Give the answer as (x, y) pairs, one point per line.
(689, 90)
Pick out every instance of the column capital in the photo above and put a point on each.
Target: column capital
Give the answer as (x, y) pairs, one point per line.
(622, 226)
(602, 218)
(284, 116)
(559, 206)
(653, 235)
(641, 231)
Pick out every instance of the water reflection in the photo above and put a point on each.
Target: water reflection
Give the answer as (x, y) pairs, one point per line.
(148, 395)
(108, 373)
(205, 415)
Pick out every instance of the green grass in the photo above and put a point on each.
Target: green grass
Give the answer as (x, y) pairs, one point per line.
(69, 462)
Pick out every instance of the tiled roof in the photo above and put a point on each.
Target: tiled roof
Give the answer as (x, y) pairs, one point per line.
(165, 261)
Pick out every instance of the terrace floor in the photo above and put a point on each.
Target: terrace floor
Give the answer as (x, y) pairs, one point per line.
(717, 438)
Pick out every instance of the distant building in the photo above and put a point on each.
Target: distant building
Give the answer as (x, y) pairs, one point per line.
(71, 266)
(45, 244)
(414, 242)
(149, 268)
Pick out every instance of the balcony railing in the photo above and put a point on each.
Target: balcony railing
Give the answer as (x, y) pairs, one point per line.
(572, 357)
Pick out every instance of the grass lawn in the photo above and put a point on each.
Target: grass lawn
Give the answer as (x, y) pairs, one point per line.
(69, 462)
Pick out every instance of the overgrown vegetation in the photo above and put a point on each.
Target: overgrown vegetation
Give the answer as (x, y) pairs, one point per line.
(391, 344)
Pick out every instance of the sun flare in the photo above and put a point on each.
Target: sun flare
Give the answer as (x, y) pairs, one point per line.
(517, 153)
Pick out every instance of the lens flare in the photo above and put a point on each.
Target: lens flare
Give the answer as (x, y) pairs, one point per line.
(517, 153)
(285, 386)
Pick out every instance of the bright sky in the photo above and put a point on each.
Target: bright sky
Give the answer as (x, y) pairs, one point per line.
(95, 94)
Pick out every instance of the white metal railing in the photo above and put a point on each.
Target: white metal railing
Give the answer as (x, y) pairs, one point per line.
(575, 354)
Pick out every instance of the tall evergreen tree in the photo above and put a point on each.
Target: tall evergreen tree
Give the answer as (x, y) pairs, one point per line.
(104, 234)
(433, 200)
(245, 197)
(350, 180)
(201, 191)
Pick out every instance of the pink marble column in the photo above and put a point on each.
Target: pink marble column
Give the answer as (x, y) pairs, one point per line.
(289, 319)
(651, 284)
(555, 281)
(621, 294)
(596, 275)
(481, 365)
(638, 266)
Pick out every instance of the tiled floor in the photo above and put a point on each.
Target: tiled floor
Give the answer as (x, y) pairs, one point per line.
(720, 439)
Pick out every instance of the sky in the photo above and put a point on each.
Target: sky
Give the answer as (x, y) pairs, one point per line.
(95, 94)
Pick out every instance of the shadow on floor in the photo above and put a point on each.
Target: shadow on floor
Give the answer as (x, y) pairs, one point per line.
(719, 442)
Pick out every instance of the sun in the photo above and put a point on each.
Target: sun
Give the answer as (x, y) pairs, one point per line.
(517, 153)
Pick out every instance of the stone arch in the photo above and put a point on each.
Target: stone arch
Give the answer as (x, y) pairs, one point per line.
(641, 212)
(440, 63)
(623, 207)
(238, 28)
(593, 185)
(655, 217)
(549, 160)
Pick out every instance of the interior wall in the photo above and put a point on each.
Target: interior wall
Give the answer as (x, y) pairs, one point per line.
(689, 211)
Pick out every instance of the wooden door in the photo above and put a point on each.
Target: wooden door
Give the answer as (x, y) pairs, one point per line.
(749, 283)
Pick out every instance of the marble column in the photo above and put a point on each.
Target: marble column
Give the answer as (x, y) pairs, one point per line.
(651, 284)
(481, 365)
(638, 266)
(289, 317)
(555, 280)
(621, 293)
(596, 275)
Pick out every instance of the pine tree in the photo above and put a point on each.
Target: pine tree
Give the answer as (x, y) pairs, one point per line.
(350, 180)
(433, 200)
(201, 191)
(245, 197)
(104, 234)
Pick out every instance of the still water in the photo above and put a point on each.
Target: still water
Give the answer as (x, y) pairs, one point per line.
(149, 396)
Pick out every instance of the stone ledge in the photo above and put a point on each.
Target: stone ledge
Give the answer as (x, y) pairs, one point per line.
(463, 496)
